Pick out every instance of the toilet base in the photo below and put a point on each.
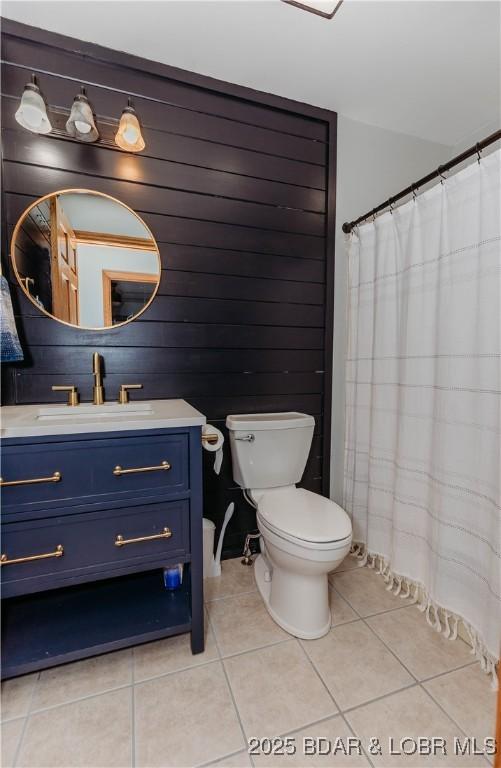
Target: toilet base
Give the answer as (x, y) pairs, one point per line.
(264, 585)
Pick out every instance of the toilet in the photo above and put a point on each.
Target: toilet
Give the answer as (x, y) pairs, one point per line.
(303, 534)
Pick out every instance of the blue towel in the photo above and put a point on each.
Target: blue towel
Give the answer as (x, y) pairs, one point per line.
(9, 342)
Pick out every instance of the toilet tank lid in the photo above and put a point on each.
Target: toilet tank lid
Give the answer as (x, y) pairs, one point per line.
(257, 421)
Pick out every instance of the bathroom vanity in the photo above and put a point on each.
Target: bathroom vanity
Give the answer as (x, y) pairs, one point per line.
(96, 501)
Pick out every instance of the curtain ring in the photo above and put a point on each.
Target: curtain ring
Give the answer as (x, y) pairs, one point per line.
(440, 173)
(373, 214)
(479, 152)
(414, 193)
(390, 204)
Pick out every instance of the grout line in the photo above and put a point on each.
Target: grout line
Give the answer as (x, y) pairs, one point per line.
(331, 586)
(133, 728)
(394, 654)
(344, 623)
(230, 689)
(312, 664)
(27, 717)
(362, 745)
(230, 597)
(413, 684)
(218, 759)
(370, 615)
(340, 711)
(21, 735)
(373, 631)
(418, 683)
(338, 714)
(176, 671)
(361, 704)
(256, 648)
(449, 716)
(132, 712)
(448, 671)
(80, 698)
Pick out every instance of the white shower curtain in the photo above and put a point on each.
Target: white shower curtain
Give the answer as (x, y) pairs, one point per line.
(423, 390)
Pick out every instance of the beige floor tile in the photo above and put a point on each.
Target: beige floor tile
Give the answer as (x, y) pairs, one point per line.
(242, 623)
(171, 655)
(424, 651)
(355, 665)
(185, 719)
(82, 678)
(330, 736)
(467, 696)
(16, 696)
(349, 563)
(365, 591)
(234, 580)
(341, 612)
(277, 690)
(409, 714)
(10, 734)
(240, 760)
(89, 733)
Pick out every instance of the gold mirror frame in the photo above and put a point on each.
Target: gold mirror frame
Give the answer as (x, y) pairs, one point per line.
(81, 190)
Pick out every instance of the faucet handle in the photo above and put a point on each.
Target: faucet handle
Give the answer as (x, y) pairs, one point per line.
(70, 389)
(123, 395)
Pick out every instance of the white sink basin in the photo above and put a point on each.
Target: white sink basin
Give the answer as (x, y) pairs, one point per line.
(37, 420)
(91, 412)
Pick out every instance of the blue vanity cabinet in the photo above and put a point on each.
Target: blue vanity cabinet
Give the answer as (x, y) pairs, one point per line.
(85, 545)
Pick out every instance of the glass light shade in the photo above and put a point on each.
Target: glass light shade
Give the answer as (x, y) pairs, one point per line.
(32, 113)
(129, 135)
(81, 123)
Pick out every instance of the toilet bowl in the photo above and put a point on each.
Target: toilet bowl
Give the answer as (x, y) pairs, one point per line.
(304, 536)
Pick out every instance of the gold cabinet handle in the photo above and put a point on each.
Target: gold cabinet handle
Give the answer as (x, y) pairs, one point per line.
(121, 542)
(54, 478)
(119, 471)
(58, 552)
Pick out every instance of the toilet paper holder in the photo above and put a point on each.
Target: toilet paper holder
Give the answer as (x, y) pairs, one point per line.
(211, 439)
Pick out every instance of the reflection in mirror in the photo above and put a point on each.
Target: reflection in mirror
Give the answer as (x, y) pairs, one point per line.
(85, 259)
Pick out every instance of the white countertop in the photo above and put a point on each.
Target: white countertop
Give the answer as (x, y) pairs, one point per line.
(40, 420)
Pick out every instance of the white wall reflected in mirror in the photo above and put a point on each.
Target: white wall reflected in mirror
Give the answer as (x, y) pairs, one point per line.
(85, 259)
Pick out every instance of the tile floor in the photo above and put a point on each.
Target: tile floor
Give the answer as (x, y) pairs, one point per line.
(381, 672)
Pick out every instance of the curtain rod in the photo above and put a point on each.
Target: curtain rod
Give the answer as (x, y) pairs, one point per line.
(476, 149)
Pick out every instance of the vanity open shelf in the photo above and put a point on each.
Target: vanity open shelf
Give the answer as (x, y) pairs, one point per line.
(89, 521)
(63, 625)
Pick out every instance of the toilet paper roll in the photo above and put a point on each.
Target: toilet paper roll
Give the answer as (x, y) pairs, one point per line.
(217, 447)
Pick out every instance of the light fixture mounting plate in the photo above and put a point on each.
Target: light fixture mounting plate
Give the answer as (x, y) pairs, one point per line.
(316, 7)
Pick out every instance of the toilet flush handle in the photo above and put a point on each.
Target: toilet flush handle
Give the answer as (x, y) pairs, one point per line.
(246, 438)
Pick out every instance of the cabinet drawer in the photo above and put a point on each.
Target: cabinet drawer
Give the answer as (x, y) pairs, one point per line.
(84, 546)
(76, 472)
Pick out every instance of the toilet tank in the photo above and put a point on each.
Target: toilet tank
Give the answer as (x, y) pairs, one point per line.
(269, 449)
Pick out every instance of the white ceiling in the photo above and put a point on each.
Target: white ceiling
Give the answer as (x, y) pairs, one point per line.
(426, 68)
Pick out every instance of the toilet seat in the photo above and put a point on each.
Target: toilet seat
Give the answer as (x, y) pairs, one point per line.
(298, 515)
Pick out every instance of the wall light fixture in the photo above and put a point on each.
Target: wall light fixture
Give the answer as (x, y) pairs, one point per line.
(129, 135)
(32, 112)
(81, 124)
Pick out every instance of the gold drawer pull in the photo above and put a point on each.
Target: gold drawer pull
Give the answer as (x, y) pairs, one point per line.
(121, 542)
(55, 478)
(119, 471)
(58, 552)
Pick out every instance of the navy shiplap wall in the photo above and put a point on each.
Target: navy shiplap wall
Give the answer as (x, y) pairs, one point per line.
(238, 188)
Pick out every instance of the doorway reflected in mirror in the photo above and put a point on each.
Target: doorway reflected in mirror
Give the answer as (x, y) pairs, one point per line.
(85, 259)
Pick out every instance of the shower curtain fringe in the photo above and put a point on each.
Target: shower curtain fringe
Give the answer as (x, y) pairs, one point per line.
(437, 616)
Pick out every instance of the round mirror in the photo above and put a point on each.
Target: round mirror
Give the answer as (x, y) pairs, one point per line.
(85, 259)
